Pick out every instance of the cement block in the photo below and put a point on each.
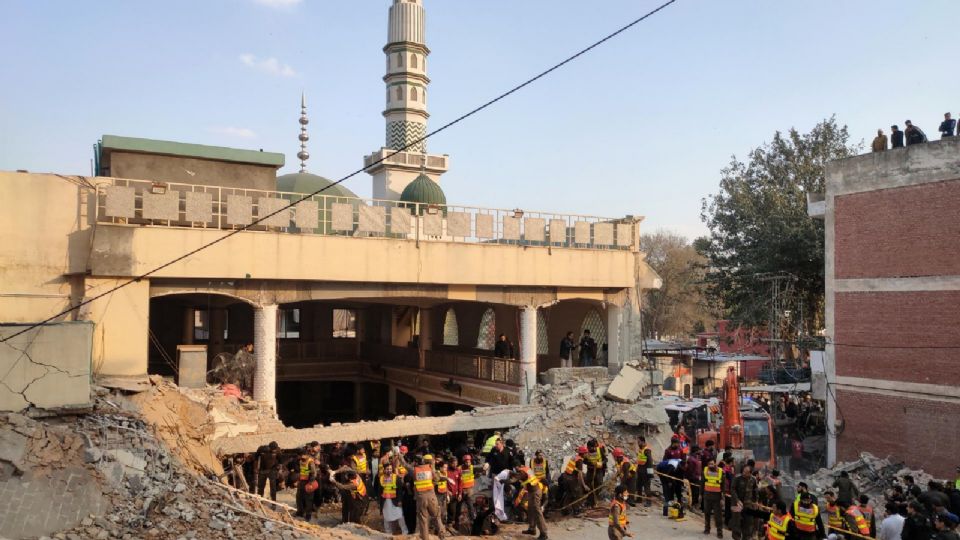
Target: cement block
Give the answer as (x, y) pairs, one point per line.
(628, 385)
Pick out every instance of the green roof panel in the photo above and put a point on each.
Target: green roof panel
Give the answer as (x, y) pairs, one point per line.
(202, 151)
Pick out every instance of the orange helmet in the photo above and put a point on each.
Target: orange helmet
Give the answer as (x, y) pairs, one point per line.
(617, 452)
(582, 450)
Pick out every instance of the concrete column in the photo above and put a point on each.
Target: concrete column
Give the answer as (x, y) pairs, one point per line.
(218, 323)
(528, 351)
(423, 408)
(187, 337)
(613, 338)
(265, 350)
(425, 335)
(830, 366)
(392, 399)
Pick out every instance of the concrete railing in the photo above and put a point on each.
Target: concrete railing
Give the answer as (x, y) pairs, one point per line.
(144, 203)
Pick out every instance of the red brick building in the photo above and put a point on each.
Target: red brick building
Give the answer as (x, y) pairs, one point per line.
(893, 305)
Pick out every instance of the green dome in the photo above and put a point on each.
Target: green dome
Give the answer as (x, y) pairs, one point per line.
(303, 182)
(425, 191)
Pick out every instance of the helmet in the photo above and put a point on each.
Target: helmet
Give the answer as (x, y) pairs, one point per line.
(617, 452)
(467, 458)
(428, 457)
(582, 450)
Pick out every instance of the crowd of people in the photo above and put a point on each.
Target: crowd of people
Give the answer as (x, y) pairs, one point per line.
(911, 135)
(474, 486)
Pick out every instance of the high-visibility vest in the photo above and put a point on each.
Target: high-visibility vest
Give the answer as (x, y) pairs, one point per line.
(857, 516)
(423, 478)
(572, 465)
(595, 458)
(622, 518)
(361, 488)
(361, 463)
(712, 480)
(777, 527)
(833, 516)
(389, 485)
(305, 470)
(488, 446)
(642, 456)
(539, 469)
(401, 470)
(466, 477)
(805, 518)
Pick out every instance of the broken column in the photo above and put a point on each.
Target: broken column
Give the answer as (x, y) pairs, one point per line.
(528, 351)
(613, 337)
(265, 350)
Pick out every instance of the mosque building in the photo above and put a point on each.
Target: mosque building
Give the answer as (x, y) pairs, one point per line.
(356, 308)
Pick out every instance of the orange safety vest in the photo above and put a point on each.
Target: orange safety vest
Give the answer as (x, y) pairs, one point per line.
(712, 480)
(623, 514)
(857, 516)
(466, 477)
(361, 464)
(834, 520)
(572, 465)
(777, 527)
(305, 470)
(805, 518)
(389, 485)
(539, 469)
(423, 478)
(361, 488)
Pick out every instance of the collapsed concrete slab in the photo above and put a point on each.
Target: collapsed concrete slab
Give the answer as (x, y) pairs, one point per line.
(629, 385)
(483, 418)
(556, 376)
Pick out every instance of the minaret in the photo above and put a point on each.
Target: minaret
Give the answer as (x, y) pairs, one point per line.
(303, 154)
(406, 111)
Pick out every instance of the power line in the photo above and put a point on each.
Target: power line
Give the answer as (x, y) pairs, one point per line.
(414, 143)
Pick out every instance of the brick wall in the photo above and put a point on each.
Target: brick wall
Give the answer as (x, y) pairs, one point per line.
(923, 433)
(909, 231)
(899, 319)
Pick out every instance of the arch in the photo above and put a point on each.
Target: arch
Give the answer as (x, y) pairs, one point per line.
(399, 59)
(154, 293)
(413, 61)
(413, 94)
(487, 338)
(543, 337)
(594, 322)
(451, 332)
(399, 93)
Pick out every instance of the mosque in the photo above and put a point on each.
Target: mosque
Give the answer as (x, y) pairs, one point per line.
(356, 308)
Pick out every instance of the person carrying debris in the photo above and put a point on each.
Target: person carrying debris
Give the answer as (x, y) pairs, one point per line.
(713, 497)
(806, 518)
(644, 471)
(596, 461)
(390, 508)
(572, 484)
(428, 509)
(265, 468)
(626, 473)
(617, 521)
(306, 485)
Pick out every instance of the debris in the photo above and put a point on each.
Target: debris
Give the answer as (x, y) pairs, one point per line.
(628, 385)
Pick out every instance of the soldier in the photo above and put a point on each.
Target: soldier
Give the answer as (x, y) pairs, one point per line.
(428, 509)
(617, 521)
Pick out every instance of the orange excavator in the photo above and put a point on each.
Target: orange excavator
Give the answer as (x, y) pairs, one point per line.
(747, 430)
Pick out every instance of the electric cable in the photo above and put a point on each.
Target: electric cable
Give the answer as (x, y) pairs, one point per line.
(414, 143)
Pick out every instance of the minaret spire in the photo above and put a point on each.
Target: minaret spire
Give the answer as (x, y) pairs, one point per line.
(303, 154)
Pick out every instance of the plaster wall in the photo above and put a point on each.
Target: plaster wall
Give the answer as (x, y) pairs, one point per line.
(121, 327)
(184, 170)
(47, 367)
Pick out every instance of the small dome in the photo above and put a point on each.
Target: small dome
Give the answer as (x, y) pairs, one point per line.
(423, 190)
(302, 182)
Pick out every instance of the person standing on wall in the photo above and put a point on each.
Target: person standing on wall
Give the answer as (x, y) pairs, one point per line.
(879, 142)
(567, 346)
(588, 349)
(947, 126)
(914, 134)
(896, 137)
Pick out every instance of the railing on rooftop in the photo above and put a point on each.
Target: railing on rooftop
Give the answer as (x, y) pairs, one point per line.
(145, 203)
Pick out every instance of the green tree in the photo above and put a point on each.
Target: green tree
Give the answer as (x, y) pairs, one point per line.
(679, 307)
(759, 225)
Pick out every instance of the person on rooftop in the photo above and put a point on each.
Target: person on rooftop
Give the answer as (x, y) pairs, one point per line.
(879, 142)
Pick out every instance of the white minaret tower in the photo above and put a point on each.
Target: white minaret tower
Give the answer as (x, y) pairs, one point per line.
(406, 113)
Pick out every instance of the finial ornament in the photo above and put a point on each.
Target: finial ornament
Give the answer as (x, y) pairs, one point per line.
(303, 154)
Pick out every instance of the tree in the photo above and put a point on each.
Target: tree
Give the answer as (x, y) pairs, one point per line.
(679, 307)
(759, 225)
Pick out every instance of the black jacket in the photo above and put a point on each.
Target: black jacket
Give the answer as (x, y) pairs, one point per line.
(897, 139)
(916, 527)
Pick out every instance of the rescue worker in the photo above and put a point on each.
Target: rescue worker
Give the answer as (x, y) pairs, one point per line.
(540, 467)
(440, 481)
(833, 514)
(573, 484)
(360, 465)
(780, 526)
(467, 481)
(713, 497)
(868, 514)
(806, 518)
(306, 485)
(390, 507)
(617, 521)
(532, 489)
(644, 471)
(353, 495)
(428, 510)
(626, 473)
(596, 461)
(853, 519)
(743, 500)
(802, 488)
(490, 442)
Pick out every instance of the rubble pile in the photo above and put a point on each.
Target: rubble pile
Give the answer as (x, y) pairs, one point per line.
(575, 409)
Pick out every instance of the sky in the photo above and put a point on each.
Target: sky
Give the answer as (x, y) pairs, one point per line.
(642, 125)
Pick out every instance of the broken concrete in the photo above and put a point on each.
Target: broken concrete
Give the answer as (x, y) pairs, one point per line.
(574, 375)
(629, 385)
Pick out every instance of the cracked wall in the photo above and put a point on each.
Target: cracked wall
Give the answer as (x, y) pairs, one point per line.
(47, 367)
